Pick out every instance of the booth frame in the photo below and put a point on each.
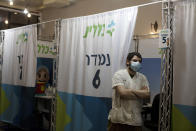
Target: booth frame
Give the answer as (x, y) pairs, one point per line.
(165, 108)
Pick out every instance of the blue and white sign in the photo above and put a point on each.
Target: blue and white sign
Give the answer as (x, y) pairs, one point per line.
(164, 38)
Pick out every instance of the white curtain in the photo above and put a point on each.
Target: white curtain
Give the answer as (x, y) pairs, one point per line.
(184, 91)
(19, 56)
(184, 53)
(92, 48)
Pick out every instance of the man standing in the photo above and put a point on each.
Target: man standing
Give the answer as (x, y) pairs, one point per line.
(129, 89)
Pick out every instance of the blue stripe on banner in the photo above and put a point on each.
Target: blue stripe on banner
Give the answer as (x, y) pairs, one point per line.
(189, 112)
(86, 113)
(20, 110)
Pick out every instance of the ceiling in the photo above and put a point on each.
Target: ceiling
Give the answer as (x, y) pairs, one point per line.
(15, 20)
(36, 5)
(8, 12)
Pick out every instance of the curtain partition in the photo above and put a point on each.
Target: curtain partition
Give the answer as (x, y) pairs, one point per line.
(184, 92)
(92, 48)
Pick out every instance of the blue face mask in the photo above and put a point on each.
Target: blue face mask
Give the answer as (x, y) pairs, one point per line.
(135, 66)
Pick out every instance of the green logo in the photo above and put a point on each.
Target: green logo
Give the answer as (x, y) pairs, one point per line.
(45, 49)
(100, 29)
(22, 38)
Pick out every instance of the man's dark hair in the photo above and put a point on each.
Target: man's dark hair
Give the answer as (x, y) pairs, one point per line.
(132, 54)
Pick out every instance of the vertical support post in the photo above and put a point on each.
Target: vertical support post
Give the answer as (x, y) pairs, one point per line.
(136, 39)
(165, 107)
(55, 76)
(1, 53)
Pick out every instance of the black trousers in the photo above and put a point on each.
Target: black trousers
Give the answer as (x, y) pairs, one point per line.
(122, 127)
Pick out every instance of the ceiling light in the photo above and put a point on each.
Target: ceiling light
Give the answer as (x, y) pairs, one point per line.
(11, 3)
(6, 22)
(29, 15)
(15, 13)
(26, 11)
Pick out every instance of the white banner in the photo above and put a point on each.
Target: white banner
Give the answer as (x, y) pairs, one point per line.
(19, 56)
(92, 48)
(46, 49)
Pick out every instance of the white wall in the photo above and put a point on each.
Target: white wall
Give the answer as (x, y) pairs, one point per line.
(146, 15)
(149, 48)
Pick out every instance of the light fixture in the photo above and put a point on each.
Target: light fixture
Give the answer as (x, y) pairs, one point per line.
(152, 33)
(6, 22)
(154, 27)
(29, 15)
(26, 11)
(11, 3)
(15, 13)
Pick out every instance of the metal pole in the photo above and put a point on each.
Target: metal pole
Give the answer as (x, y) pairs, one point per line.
(165, 107)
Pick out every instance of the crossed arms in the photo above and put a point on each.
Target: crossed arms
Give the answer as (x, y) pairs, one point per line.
(124, 93)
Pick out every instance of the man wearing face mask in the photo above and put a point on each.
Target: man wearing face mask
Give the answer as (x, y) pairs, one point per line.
(129, 89)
